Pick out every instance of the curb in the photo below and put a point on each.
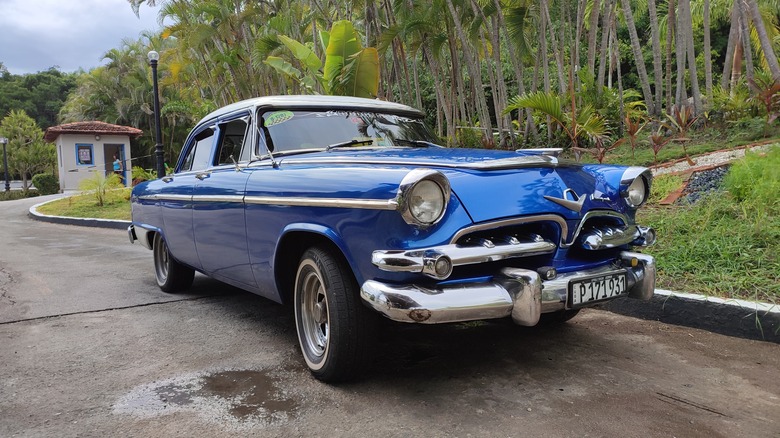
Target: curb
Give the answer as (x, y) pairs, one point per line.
(731, 317)
(82, 222)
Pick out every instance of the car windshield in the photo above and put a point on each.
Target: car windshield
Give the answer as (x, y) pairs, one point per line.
(292, 131)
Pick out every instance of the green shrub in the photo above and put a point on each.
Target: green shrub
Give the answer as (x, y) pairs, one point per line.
(141, 174)
(469, 138)
(17, 194)
(102, 187)
(46, 183)
(749, 129)
(755, 180)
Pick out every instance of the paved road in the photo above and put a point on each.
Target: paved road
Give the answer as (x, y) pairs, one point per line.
(90, 347)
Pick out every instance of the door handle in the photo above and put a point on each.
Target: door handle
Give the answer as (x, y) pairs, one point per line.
(167, 179)
(203, 175)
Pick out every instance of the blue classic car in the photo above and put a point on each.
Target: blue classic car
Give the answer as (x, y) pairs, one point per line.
(346, 208)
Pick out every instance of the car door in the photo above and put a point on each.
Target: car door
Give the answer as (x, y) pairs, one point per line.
(218, 206)
(176, 197)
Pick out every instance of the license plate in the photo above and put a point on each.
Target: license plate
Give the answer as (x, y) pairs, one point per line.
(596, 288)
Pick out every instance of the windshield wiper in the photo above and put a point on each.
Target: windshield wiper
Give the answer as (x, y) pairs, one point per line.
(412, 143)
(349, 143)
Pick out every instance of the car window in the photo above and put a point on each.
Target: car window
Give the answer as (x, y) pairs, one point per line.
(233, 134)
(296, 130)
(198, 155)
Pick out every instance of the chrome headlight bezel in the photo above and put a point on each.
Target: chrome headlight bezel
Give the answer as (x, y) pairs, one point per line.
(406, 191)
(635, 186)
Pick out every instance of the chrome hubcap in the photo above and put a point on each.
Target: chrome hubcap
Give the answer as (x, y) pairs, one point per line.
(314, 313)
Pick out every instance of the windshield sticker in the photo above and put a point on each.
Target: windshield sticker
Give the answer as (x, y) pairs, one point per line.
(278, 117)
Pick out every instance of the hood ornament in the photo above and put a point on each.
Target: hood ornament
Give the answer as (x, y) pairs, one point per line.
(574, 204)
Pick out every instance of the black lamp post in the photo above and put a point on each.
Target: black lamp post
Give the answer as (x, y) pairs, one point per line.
(158, 148)
(4, 141)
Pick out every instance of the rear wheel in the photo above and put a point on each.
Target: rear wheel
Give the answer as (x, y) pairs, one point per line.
(334, 328)
(171, 275)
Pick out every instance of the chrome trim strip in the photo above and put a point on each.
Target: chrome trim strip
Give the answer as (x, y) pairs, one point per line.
(511, 222)
(218, 198)
(159, 197)
(504, 163)
(516, 292)
(370, 204)
(417, 260)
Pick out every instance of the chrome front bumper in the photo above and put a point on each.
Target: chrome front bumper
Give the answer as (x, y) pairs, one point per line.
(519, 293)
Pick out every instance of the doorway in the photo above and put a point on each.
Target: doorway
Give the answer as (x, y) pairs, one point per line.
(110, 151)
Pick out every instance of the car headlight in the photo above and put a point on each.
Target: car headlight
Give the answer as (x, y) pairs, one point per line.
(635, 185)
(423, 197)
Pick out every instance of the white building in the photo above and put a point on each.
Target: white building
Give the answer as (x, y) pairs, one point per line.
(87, 147)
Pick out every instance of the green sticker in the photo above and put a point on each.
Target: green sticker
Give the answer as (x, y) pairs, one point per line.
(278, 117)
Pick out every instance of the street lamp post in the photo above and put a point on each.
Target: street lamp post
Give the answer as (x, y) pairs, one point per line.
(158, 148)
(4, 141)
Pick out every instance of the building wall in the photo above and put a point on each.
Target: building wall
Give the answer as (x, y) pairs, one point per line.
(96, 156)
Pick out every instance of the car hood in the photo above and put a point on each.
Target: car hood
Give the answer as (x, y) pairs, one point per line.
(495, 184)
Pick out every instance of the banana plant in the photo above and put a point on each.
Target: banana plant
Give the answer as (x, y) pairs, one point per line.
(349, 69)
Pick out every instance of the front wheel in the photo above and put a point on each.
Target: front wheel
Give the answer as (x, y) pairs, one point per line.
(171, 275)
(334, 328)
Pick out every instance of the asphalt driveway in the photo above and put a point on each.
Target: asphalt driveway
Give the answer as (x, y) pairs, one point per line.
(91, 347)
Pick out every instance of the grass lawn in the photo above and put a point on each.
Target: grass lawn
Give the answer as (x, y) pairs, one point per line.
(116, 206)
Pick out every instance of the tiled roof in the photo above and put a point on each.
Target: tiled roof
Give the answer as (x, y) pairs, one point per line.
(94, 128)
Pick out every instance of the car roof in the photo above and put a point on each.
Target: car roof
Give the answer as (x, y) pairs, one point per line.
(314, 102)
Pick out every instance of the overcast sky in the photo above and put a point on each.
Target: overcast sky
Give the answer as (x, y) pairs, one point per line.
(68, 34)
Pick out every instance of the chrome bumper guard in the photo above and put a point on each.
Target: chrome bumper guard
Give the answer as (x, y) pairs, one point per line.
(613, 237)
(519, 293)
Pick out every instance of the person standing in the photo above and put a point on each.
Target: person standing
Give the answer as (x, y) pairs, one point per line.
(118, 167)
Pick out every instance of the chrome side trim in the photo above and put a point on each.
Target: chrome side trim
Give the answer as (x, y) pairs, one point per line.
(218, 198)
(159, 197)
(416, 260)
(370, 204)
(500, 164)
(511, 222)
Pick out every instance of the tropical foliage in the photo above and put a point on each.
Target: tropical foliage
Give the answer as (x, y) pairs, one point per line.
(467, 63)
(27, 153)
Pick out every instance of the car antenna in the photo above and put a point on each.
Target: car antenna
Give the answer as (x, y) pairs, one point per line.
(269, 143)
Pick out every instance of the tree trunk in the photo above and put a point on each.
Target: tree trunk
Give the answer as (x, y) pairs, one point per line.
(543, 56)
(474, 72)
(690, 51)
(658, 75)
(671, 19)
(638, 57)
(606, 29)
(730, 47)
(707, 53)
(681, 96)
(766, 43)
(557, 51)
(592, 35)
(747, 49)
